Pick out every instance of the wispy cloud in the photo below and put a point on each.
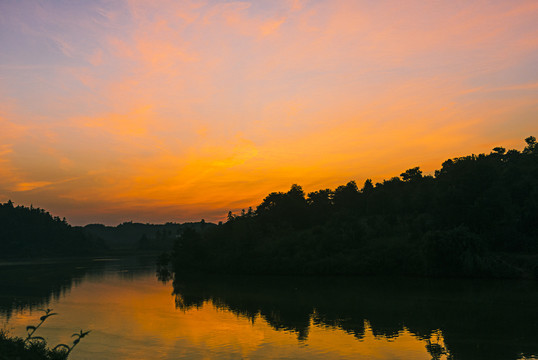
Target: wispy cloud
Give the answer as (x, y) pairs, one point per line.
(174, 110)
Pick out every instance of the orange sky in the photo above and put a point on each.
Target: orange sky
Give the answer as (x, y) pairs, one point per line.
(113, 111)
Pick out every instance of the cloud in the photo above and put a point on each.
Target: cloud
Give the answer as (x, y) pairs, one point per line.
(200, 107)
(271, 26)
(27, 186)
(517, 87)
(96, 58)
(133, 123)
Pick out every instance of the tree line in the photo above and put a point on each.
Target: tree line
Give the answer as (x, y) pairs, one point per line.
(476, 216)
(33, 232)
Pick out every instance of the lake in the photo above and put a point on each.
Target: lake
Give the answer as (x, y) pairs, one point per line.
(134, 315)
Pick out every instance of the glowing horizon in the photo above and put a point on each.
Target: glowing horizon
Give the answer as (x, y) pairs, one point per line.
(178, 111)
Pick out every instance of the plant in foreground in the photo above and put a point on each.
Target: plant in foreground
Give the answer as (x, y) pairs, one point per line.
(78, 336)
(34, 347)
(30, 329)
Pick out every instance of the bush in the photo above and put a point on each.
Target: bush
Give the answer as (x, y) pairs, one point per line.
(454, 252)
(12, 348)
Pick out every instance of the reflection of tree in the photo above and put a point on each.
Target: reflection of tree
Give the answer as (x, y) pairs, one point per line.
(276, 309)
(437, 350)
(453, 318)
(34, 285)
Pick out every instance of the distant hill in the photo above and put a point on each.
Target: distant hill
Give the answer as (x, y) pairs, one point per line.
(138, 236)
(27, 232)
(33, 232)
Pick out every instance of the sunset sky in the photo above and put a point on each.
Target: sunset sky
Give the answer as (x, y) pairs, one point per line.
(157, 111)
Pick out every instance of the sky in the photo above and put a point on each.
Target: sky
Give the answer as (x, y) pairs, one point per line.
(157, 111)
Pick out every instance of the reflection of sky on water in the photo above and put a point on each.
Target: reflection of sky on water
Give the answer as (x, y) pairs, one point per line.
(134, 316)
(138, 319)
(34, 284)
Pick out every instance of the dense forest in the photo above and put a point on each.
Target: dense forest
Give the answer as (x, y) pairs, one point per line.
(476, 216)
(32, 232)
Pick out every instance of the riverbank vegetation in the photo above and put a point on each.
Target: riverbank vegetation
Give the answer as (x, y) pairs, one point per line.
(474, 217)
(35, 347)
(16, 348)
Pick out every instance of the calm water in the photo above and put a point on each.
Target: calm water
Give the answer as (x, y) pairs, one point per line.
(133, 315)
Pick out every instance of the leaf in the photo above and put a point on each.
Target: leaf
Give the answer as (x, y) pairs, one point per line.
(76, 341)
(62, 346)
(30, 327)
(44, 317)
(37, 338)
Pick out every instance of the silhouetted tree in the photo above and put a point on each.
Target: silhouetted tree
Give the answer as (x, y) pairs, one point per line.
(412, 174)
(531, 147)
(461, 222)
(345, 196)
(499, 150)
(368, 186)
(30, 232)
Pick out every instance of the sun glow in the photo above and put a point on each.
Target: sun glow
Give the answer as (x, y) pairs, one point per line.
(176, 111)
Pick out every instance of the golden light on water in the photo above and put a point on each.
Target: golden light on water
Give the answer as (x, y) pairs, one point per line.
(137, 319)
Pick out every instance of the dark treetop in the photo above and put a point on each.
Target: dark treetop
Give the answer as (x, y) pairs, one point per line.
(31, 232)
(477, 216)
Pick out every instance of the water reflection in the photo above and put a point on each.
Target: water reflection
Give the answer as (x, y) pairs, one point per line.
(133, 315)
(34, 284)
(475, 319)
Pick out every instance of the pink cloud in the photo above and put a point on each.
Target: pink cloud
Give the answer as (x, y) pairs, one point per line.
(181, 106)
